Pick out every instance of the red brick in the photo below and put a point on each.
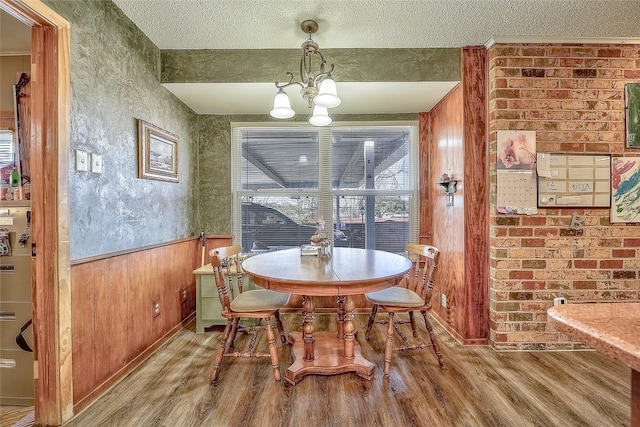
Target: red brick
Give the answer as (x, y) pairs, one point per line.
(571, 62)
(520, 62)
(521, 274)
(520, 232)
(507, 93)
(623, 253)
(500, 83)
(506, 51)
(597, 148)
(583, 51)
(546, 62)
(624, 274)
(543, 232)
(558, 94)
(507, 220)
(572, 147)
(533, 243)
(531, 285)
(585, 284)
(498, 62)
(582, 73)
(610, 74)
(631, 243)
(597, 63)
(533, 51)
(501, 337)
(611, 263)
(534, 220)
(533, 72)
(585, 263)
(558, 51)
(609, 52)
(632, 74)
(501, 104)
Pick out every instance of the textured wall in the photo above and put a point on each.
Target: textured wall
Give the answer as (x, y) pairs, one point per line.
(572, 96)
(356, 65)
(114, 80)
(215, 174)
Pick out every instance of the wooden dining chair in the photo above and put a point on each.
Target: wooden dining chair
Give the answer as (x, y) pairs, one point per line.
(411, 295)
(261, 304)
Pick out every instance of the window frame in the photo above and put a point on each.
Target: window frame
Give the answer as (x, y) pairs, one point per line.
(324, 193)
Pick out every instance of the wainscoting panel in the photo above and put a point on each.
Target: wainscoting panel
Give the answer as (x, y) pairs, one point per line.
(114, 325)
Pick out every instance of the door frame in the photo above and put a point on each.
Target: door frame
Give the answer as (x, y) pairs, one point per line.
(49, 146)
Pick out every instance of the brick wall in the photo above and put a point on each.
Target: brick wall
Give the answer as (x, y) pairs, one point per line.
(573, 97)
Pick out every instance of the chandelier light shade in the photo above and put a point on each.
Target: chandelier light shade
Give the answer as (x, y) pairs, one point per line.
(282, 106)
(327, 96)
(317, 88)
(320, 117)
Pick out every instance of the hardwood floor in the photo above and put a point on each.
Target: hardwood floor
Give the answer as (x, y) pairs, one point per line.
(9, 415)
(479, 387)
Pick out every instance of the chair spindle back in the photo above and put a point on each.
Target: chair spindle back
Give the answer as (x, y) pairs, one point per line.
(230, 265)
(221, 284)
(426, 258)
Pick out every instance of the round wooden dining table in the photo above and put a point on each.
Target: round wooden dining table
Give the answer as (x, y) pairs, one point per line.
(345, 272)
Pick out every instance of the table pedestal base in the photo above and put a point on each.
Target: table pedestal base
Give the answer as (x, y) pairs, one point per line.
(328, 358)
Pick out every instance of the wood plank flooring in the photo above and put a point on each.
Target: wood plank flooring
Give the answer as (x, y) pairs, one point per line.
(9, 415)
(480, 387)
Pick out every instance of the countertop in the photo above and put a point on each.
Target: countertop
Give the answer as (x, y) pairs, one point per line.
(611, 328)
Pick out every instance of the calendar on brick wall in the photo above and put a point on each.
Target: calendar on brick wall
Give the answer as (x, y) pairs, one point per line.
(516, 181)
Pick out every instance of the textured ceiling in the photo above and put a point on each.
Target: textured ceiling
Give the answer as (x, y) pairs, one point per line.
(255, 24)
(247, 24)
(275, 24)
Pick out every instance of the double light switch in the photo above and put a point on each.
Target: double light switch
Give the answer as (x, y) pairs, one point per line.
(88, 161)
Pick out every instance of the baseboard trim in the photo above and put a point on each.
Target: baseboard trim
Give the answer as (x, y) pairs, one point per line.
(456, 335)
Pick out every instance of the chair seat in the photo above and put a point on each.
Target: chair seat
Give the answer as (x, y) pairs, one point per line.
(259, 300)
(395, 296)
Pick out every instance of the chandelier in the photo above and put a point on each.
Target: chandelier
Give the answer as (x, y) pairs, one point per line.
(319, 90)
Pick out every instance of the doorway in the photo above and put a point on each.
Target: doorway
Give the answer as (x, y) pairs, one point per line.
(48, 144)
(16, 332)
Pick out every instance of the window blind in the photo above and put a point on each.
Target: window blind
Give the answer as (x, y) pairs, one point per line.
(357, 179)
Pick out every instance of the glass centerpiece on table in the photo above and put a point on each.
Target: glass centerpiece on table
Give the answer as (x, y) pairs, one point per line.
(320, 239)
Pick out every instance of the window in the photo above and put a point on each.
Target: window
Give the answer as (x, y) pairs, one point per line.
(6, 147)
(361, 180)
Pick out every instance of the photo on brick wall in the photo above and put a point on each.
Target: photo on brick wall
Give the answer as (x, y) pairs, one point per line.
(632, 109)
(625, 189)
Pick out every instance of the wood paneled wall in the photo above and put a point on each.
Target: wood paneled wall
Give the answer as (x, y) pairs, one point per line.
(476, 194)
(113, 327)
(447, 156)
(458, 147)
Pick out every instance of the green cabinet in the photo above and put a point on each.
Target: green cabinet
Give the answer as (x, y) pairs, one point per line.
(208, 308)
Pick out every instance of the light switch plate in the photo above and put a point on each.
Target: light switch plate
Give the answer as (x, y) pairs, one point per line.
(82, 161)
(96, 163)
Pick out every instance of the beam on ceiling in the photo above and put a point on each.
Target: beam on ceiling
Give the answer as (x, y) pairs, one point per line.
(270, 65)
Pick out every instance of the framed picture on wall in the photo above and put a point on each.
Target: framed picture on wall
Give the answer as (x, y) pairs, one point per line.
(157, 153)
(625, 189)
(632, 110)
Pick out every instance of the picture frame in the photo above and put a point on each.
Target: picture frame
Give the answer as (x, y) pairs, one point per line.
(625, 186)
(157, 153)
(632, 114)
